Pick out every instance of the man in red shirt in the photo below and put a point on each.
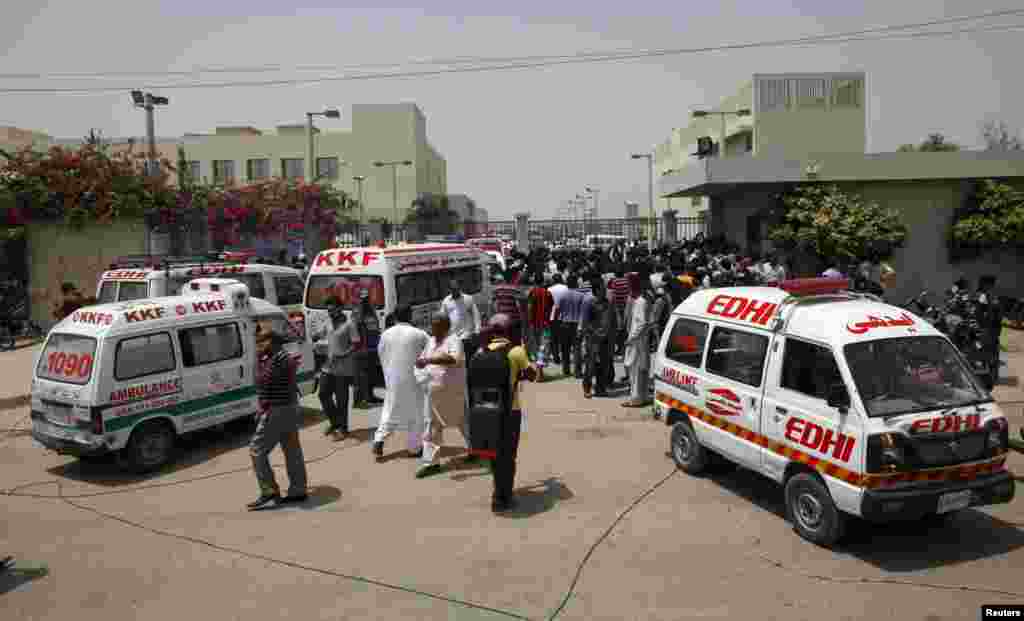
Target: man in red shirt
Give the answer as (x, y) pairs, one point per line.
(618, 294)
(540, 302)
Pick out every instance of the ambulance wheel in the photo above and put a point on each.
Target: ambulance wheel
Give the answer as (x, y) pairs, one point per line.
(150, 447)
(810, 508)
(687, 452)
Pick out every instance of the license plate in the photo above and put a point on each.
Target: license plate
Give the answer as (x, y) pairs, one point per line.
(954, 501)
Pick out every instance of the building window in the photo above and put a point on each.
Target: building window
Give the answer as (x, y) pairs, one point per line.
(696, 201)
(327, 168)
(258, 169)
(223, 171)
(194, 171)
(773, 94)
(846, 93)
(810, 92)
(292, 167)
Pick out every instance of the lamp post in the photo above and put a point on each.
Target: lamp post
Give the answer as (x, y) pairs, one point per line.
(394, 184)
(699, 114)
(330, 113)
(148, 102)
(650, 194)
(362, 210)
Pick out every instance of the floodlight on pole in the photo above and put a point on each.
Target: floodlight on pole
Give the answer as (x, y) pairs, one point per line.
(650, 193)
(148, 102)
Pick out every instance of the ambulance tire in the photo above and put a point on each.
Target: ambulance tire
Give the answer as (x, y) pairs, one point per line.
(689, 455)
(150, 447)
(811, 510)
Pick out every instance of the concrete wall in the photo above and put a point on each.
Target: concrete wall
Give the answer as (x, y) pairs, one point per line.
(927, 210)
(58, 254)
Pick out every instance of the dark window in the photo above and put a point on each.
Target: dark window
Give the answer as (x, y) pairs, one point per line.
(289, 290)
(254, 282)
(108, 292)
(133, 291)
(422, 288)
(292, 168)
(686, 342)
(348, 289)
(327, 167)
(258, 169)
(809, 369)
(143, 355)
(209, 344)
(737, 355)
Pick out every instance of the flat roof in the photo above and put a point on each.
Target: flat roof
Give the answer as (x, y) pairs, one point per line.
(713, 176)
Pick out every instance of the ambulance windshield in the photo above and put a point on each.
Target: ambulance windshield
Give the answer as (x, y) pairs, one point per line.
(347, 288)
(911, 374)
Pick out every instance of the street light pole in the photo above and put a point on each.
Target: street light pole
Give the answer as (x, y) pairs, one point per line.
(148, 102)
(330, 113)
(362, 208)
(394, 187)
(650, 194)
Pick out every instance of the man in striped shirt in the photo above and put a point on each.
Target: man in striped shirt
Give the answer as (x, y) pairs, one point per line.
(278, 421)
(508, 300)
(618, 290)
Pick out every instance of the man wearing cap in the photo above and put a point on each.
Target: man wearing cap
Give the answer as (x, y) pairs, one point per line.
(278, 421)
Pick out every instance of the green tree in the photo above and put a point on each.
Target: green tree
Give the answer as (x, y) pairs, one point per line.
(998, 137)
(992, 217)
(935, 143)
(433, 216)
(829, 223)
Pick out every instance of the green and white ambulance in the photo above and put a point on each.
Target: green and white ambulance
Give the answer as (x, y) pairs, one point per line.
(130, 377)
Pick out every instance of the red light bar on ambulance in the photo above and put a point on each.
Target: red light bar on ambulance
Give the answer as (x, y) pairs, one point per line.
(814, 286)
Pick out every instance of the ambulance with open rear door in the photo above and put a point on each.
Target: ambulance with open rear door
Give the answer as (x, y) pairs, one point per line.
(856, 407)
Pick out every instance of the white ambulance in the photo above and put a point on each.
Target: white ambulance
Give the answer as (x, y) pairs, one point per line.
(413, 274)
(858, 408)
(129, 377)
(137, 277)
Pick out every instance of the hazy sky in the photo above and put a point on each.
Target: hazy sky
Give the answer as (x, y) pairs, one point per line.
(521, 140)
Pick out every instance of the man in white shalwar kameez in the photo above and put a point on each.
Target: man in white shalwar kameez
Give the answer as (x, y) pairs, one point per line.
(404, 398)
(444, 368)
(638, 345)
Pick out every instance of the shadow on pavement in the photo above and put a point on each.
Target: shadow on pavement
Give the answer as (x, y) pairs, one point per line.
(897, 546)
(319, 496)
(15, 576)
(194, 449)
(539, 498)
(933, 542)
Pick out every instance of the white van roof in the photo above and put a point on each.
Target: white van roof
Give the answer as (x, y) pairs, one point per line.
(106, 319)
(368, 258)
(196, 270)
(837, 317)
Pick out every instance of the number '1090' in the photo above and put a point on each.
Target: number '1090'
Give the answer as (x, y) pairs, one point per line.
(69, 365)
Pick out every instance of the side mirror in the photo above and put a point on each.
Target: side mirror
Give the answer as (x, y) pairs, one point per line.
(838, 398)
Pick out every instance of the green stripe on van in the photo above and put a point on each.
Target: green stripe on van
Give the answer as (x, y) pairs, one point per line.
(187, 407)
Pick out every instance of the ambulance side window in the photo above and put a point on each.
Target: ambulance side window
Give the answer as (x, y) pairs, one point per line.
(737, 355)
(209, 344)
(686, 342)
(133, 291)
(289, 290)
(254, 282)
(143, 355)
(108, 292)
(808, 369)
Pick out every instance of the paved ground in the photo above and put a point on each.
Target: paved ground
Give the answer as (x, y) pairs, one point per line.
(374, 543)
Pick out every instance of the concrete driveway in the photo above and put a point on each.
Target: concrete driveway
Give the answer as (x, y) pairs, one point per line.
(375, 543)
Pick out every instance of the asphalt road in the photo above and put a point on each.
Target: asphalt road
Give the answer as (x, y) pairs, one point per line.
(375, 543)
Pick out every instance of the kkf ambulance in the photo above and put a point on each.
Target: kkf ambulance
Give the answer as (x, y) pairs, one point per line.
(856, 407)
(130, 377)
(413, 274)
(149, 276)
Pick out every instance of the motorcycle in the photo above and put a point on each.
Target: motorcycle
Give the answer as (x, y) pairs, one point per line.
(14, 325)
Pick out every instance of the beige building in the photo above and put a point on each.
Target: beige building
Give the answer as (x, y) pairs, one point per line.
(813, 128)
(790, 115)
(379, 132)
(15, 138)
